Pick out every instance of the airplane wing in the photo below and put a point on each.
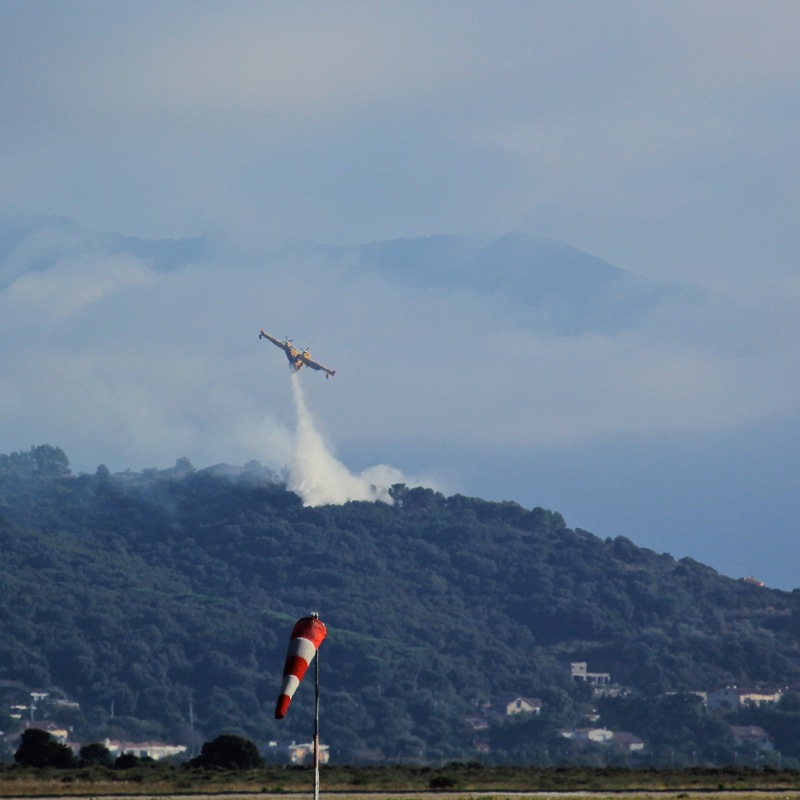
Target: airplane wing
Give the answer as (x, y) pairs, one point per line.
(264, 335)
(309, 362)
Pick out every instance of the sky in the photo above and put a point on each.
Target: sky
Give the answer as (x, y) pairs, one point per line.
(660, 137)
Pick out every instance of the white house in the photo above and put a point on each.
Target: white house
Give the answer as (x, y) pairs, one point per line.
(627, 742)
(737, 696)
(298, 753)
(511, 704)
(579, 671)
(154, 750)
(619, 739)
(585, 735)
(53, 728)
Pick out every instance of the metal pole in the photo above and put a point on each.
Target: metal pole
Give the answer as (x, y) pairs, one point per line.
(316, 726)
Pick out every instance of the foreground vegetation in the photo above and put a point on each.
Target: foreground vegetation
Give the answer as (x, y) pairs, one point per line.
(162, 779)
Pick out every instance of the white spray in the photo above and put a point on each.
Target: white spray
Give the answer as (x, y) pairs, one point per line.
(319, 478)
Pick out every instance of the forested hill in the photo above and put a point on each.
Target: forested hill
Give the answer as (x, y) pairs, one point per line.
(162, 603)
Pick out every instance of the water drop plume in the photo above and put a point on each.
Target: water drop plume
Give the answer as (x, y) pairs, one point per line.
(319, 478)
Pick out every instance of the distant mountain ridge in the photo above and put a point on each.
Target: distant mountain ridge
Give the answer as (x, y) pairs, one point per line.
(162, 601)
(37, 243)
(552, 285)
(570, 290)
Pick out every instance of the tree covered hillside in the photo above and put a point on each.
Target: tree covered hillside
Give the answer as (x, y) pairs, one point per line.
(161, 602)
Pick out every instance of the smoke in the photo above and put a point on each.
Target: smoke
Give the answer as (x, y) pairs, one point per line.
(322, 480)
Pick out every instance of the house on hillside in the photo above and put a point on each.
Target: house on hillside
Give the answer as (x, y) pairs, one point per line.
(299, 753)
(587, 735)
(738, 696)
(627, 742)
(148, 749)
(753, 735)
(622, 740)
(580, 672)
(478, 722)
(509, 704)
(53, 728)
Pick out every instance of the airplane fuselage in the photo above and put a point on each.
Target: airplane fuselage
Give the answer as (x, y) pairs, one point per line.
(297, 358)
(294, 357)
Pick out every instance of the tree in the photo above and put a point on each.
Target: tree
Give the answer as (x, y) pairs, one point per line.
(183, 465)
(39, 748)
(229, 752)
(50, 460)
(95, 753)
(126, 761)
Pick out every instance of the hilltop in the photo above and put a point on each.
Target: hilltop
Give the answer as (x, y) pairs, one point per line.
(159, 604)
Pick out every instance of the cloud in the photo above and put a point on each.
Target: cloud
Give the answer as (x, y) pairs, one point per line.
(661, 137)
(71, 287)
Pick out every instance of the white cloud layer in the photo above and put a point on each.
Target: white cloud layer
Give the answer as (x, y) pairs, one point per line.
(663, 136)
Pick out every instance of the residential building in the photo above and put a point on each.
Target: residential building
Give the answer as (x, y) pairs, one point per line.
(622, 740)
(627, 742)
(53, 728)
(738, 696)
(299, 753)
(478, 722)
(148, 749)
(510, 704)
(753, 735)
(586, 735)
(579, 671)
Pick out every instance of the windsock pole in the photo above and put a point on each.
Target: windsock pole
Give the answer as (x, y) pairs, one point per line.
(316, 727)
(307, 635)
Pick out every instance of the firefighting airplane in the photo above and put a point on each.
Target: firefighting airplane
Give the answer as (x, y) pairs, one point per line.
(297, 358)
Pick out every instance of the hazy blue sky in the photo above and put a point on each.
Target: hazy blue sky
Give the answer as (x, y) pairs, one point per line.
(659, 136)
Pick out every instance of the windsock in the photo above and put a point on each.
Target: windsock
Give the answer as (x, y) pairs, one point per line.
(307, 636)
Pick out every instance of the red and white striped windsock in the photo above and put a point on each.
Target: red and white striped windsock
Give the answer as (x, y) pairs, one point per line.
(307, 636)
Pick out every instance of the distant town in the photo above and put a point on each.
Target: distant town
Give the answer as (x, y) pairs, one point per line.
(42, 710)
